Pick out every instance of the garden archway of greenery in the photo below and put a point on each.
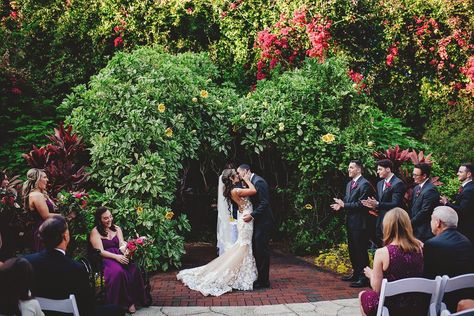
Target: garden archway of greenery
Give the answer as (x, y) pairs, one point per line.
(148, 115)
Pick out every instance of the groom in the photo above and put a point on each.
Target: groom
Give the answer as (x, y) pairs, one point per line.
(263, 225)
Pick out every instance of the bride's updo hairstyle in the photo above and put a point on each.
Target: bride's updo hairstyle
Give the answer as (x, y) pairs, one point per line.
(227, 176)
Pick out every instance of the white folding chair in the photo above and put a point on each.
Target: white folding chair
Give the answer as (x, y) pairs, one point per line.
(409, 285)
(467, 312)
(459, 282)
(67, 305)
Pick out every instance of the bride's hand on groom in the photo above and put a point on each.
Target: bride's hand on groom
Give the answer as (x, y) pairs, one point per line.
(247, 218)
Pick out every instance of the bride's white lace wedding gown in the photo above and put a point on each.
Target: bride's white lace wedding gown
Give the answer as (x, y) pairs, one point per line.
(235, 269)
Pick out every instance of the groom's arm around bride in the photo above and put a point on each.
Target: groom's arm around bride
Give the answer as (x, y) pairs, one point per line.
(263, 225)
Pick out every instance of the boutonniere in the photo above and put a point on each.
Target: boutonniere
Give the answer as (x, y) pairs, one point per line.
(388, 184)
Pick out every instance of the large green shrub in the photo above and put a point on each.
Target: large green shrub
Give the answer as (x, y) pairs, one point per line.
(143, 116)
(315, 118)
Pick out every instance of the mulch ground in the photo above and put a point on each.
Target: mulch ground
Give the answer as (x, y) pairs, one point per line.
(293, 280)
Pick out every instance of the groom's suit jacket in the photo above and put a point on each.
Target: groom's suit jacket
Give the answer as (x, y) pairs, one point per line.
(422, 206)
(389, 198)
(464, 206)
(262, 213)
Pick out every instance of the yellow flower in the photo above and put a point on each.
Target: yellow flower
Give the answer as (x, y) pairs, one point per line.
(204, 94)
(281, 127)
(195, 99)
(169, 215)
(169, 132)
(308, 206)
(161, 107)
(139, 210)
(370, 144)
(328, 138)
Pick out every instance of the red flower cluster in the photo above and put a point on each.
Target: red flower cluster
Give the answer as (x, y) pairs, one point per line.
(468, 71)
(357, 78)
(81, 196)
(118, 30)
(134, 244)
(392, 53)
(287, 43)
(8, 200)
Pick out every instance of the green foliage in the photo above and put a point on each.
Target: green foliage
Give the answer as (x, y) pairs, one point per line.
(317, 121)
(144, 115)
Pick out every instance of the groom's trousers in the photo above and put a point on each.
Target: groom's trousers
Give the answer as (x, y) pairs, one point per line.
(261, 252)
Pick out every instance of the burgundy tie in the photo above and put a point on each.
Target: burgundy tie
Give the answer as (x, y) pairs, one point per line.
(460, 189)
(353, 185)
(418, 191)
(387, 185)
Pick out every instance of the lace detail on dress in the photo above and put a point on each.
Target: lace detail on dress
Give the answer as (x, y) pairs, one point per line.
(235, 269)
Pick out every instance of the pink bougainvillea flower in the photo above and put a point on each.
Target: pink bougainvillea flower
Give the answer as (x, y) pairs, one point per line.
(16, 90)
(118, 41)
(189, 10)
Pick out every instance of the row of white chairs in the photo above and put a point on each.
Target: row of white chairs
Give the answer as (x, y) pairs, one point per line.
(67, 305)
(437, 288)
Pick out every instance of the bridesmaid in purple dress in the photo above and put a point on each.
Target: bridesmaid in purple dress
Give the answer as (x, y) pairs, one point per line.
(123, 281)
(402, 257)
(37, 201)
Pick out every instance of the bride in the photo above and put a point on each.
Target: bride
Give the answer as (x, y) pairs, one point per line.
(236, 268)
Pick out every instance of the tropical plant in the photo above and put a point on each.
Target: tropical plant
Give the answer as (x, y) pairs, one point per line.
(61, 161)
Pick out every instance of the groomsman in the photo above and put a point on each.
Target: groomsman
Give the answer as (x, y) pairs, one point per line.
(390, 191)
(424, 199)
(464, 204)
(357, 189)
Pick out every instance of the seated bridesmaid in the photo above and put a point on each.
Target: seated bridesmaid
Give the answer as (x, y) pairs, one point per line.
(402, 257)
(37, 201)
(123, 281)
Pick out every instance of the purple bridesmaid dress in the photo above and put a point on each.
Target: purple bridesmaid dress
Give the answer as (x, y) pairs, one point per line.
(123, 283)
(37, 242)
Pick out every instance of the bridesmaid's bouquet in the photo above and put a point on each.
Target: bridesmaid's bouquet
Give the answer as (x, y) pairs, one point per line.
(136, 245)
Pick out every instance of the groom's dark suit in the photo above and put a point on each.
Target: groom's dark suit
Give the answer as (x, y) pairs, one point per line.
(464, 206)
(357, 224)
(389, 197)
(262, 227)
(423, 202)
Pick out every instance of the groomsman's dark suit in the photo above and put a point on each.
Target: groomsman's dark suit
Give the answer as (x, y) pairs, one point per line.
(357, 224)
(449, 253)
(263, 225)
(464, 206)
(388, 197)
(57, 276)
(423, 203)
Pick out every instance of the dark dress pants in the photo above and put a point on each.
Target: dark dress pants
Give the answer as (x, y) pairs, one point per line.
(358, 240)
(261, 252)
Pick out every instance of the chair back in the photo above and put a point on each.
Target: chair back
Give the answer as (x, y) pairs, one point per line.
(467, 312)
(67, 305)
(459, 282)
(409, 285)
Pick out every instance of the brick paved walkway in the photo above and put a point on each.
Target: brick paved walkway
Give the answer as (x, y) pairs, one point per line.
(292, 281)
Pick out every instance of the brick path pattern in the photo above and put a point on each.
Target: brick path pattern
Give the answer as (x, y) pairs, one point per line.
(292, 281)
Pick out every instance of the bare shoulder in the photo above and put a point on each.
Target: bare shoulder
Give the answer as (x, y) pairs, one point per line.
(382, 252)
(35, 195)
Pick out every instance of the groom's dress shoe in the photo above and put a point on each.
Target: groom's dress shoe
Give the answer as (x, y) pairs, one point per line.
(349, 278)
(360, 283)
(258, 285)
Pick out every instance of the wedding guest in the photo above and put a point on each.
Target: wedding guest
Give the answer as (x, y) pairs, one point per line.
(464, 202)
(449, 252)
(123, 281)
(7, 233)
(400, 258)
(424, 199)
(56, 276)
(37, 201)
(16, 278)
(465, 304)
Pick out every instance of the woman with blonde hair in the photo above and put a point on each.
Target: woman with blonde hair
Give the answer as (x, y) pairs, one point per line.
(37, 201)
(402, 257)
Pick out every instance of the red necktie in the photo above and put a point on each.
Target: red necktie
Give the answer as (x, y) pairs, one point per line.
(387, 185)
(353, 185)
(460, 189)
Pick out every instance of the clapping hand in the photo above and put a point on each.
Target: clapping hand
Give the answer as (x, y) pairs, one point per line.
(443, 200)
(370, 203)
(338, 205)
